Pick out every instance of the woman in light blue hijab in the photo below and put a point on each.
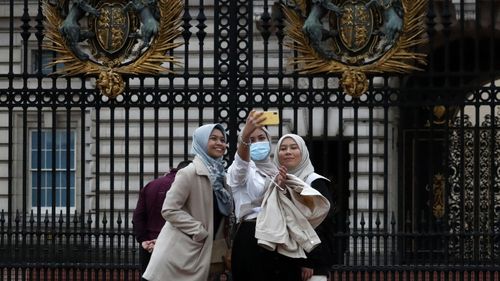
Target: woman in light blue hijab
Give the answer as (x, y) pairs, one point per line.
(194, 209)
(214, 163)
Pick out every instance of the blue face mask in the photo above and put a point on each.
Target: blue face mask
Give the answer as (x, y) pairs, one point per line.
(260, 150)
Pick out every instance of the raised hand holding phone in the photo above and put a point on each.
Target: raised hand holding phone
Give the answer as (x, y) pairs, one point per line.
(269, 117)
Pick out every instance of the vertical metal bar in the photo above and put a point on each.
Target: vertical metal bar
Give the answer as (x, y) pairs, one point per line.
(310, 110)
(477, 184)
(341, 188)
(187, 35)
(281, 60)
(200, 34)
(171, 133)
(493, 152)
(156, 135)
(326, 125)
(82, 166)
(265, 18)
(394, 236)
(377, 237)
(462, 185)
(370, 178)
(429, 142)
(97, 124)
(141, 131)
(245, 71)
(186, 126)
(53, 168)
(68, 170)
(233, 73)
(60, 246)
(25, 34)
(10, 159)
(127, 188)
(83, 176)
(97, 214)
(442, 229)
(385, 158)
(111, 181)
(355, 181)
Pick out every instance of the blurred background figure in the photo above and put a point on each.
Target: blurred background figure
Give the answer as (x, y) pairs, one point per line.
(147, 214)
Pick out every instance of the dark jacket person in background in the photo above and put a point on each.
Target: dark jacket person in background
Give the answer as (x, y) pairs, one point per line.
(147, 219)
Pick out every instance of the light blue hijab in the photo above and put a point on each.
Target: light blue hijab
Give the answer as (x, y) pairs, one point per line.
(215, 166)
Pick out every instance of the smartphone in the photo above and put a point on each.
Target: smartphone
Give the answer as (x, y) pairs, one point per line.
(272, 118)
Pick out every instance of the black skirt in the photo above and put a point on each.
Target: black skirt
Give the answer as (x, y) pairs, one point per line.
(250, 262)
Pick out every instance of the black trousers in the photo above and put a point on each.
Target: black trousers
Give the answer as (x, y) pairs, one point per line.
(144, 257)
(250, 262)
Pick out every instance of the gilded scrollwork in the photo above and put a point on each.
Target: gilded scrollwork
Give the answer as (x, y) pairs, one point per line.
(438, 191)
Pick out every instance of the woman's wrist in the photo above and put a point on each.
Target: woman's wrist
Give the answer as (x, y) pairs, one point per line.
(243, 142)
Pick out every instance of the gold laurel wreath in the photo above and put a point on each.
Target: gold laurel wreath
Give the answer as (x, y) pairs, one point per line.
(399, 59)
(148, 63)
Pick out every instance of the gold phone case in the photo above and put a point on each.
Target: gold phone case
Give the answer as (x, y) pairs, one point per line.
(272, 118)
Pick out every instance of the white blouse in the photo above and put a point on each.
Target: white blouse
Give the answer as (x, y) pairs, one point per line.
(248, 187)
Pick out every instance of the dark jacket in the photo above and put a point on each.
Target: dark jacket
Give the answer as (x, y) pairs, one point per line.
(321, 258)
(147, 219)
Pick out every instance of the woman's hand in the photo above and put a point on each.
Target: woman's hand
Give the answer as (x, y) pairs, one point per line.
(253, 122)
(307, 273)
(148, 245)
(281, 177)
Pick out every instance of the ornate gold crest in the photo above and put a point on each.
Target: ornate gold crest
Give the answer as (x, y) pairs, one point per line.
(356, 37)
(112, 37)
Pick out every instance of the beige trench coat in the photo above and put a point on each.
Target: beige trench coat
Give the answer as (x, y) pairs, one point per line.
(184, 245)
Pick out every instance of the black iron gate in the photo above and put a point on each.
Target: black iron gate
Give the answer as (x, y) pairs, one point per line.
(415, 160)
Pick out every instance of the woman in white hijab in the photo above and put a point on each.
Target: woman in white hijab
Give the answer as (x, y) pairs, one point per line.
(248, 176)
(194, 207)
(291, 152)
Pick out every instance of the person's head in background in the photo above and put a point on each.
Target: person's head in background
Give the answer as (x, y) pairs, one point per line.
(183, 164)
(180, 165)
(291, 152)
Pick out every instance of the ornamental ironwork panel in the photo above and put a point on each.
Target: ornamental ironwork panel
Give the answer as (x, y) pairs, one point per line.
(474, 184)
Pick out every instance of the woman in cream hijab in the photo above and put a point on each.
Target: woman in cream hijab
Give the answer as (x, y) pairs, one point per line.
(291, 152)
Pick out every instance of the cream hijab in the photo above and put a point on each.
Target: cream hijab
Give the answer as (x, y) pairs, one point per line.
(305, 167)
